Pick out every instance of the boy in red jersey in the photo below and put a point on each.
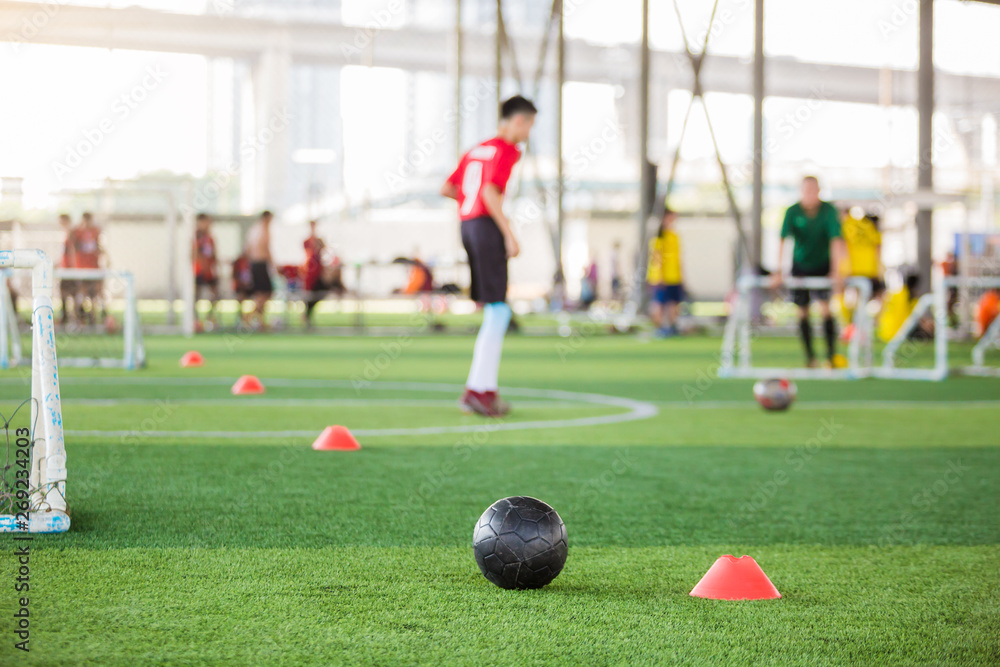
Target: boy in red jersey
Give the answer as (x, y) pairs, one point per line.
(478, 185)
(206, 267)
(67, 288)
(88, 251)
(312, 273)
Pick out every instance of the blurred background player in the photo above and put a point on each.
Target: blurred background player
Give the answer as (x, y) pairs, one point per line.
(863, 258)
(88, 252)
(814, 227)
(259, 256)
(67, 288)
(478, 185)
(206, 268)
(313, 278)
(664, 276)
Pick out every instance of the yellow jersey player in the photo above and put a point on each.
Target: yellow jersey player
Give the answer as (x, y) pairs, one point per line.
(664, 276)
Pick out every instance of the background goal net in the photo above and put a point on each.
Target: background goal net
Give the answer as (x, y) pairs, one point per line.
(96, 319)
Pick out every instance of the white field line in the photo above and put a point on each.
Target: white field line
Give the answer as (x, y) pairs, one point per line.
(304, 402)
(636, 410)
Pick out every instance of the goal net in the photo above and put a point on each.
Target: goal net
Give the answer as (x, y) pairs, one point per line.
(33, 484)
(96, 319)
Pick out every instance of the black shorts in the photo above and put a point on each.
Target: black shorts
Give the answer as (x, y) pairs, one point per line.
(202, 281)
(802, 297)
(484, 244)
(261, 278)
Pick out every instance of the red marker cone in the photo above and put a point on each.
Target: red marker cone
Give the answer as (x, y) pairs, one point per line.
(336, 438)
(732, 578)
(192, 359)
(848, 333)
(248, 384)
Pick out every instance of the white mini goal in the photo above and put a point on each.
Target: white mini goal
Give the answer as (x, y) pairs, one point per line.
(33, 486)
(83, 344)
(934, 305)
(737, 354)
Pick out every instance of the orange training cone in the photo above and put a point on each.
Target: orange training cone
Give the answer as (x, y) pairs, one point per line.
(248, 384)
(336, 438)
(732, 578)
(848, 333)
(192, 359)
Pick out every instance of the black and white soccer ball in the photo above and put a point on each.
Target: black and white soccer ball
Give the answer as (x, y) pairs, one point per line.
(776, 394)
(520, 542)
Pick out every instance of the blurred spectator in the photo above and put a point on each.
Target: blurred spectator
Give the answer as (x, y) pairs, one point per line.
(664, 276)
(68, 289)
(206, 268)
(259, 256)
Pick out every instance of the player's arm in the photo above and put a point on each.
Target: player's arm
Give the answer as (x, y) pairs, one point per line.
(449, 190)
(786, 231)
(776, 277)
(493, 201)
(838, 251)
(837, 254)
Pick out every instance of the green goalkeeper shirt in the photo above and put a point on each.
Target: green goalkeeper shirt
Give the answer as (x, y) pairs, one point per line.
(812, 235)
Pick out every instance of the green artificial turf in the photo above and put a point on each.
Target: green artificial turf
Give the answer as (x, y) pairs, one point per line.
(871, 505)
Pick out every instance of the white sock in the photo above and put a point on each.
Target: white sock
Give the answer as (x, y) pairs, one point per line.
(489, 345)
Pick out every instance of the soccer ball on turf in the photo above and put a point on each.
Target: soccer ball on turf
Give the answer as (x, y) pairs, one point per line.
(520, 542)
(777, 394)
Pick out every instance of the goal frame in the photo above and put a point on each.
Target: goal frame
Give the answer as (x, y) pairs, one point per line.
(737, 359)
(936, 303)
(45, 504)
(134, 354)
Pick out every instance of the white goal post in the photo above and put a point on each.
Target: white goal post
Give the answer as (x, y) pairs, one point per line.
(737, 358)
(37, 503)
(133, 354)
(935, 305)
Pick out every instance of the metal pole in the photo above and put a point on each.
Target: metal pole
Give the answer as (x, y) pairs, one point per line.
(498, 55)
(925, 164)
(645, 168)
(458, 79)
(645, 207)
(758, 133)
(560, 185)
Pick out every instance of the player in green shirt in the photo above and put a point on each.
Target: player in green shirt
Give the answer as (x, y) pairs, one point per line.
(814, 225)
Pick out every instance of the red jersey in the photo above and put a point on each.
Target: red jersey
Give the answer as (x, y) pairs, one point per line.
(204, 256)
(69, 246)
(313, 267)
(88, 247)
(488, 163)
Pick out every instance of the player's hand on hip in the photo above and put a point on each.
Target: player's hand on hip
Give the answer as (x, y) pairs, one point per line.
(513, 249)
(776, 279)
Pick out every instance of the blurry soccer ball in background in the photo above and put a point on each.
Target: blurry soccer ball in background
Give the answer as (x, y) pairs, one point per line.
(520, 542)
(775, 394)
